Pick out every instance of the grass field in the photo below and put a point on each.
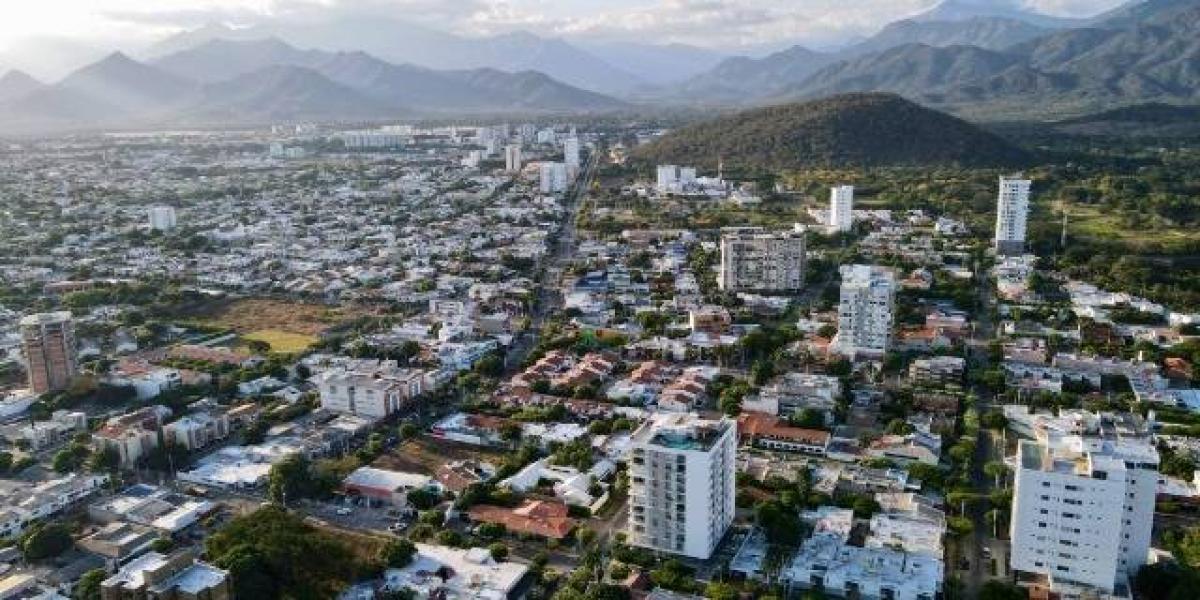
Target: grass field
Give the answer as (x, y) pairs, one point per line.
(282, 341)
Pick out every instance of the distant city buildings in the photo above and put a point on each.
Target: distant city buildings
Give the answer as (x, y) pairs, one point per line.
(162, 218)
(48, 340)
(841, 209)
(571, 154)
(753, 259)
(866, 311)
(1012, 211)
(673, 178)
(681, 484)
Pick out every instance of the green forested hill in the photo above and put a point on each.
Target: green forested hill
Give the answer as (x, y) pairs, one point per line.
(869, 129)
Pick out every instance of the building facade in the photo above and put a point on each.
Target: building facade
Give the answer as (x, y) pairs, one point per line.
(753, 259)
(553, 178)
(866, 311)
(50, 352)
(1012, 212)
(162, 218)
(681, 484)
(1083, 502)
(512, 158)
(841, 209)
(373, 393)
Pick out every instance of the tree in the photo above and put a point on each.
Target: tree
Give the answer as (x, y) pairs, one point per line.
(397, 553)
(46, 541)
(88, 587)
(1000, 590)
(781, 523)
(289, 479)
(498, 551)
(105, 460)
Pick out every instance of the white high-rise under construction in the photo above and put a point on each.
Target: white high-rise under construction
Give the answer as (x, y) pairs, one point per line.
(841, 209)
(1012, 212)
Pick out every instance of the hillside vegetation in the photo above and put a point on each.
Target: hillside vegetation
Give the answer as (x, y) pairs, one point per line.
(848, 130)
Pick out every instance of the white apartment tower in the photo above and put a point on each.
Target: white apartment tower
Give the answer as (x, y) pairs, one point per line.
(1012, 212)
(841, 208)
(1083, 503)
(571, 154)
(681, 484)
(866, 310)
(755, 259)
(162, 218)
(368, 390)
(512, 158)
(553, 178)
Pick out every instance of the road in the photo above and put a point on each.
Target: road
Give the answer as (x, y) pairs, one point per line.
(986, 450)
(547, 299)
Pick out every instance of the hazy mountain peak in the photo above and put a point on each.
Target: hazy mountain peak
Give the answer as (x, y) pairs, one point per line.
(16, 83)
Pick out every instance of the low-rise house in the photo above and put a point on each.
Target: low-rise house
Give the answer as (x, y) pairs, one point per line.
(21, 503)
(772, 433)
(542, 518)
(118, 542)
(477, 430)
(443, 572)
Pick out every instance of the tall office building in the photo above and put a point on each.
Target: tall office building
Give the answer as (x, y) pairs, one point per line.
(512, 158)
(841, 208)
(866, 310)
(1083, 502)
(681, 484)
(554, 178)
(571, 154)
(162, 218)
(753, 259)
(1012, 212)
(49, 343)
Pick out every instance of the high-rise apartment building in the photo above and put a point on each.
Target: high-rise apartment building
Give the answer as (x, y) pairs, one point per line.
(554, 178)
(50, 353)
(841, 209)
(571, 154)
(512, 158)
(369, 389)
(866, 310)
(1083, 502)
(1012, 212)
(162, 218)
(753, 259)
(681, 484)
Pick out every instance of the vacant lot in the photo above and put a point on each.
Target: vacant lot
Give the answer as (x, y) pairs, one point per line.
(425, 455)
(272, 317)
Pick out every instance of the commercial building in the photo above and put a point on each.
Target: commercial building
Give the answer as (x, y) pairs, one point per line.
(162, 218)
(369, 390)
(866, 311)
(1012, 212)
(388, 487)
(753, 259)
(841, 209)
(512, 158)
(672, 178)
(1083, 499)
(50, 353)
(553, 177)
(681, 483)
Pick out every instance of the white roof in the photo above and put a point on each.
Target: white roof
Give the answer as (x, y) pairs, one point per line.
(382, 479)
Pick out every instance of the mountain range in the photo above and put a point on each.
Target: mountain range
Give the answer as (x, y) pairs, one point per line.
(259, 81)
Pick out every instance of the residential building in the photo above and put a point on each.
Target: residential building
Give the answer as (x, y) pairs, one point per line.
(162, 218)
(50, 352)
(841, 209)
(470, 573)
(197, 430)
(866, 311)
(512, 158)
(773, 433)
(22, 503)
(571, 154)
(373, 390)
(553, 177)
(133, 435)
(681, 483)
(673, 178)
(1012, 212)
(155, 576)
(1083, 499)
(753, 259)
